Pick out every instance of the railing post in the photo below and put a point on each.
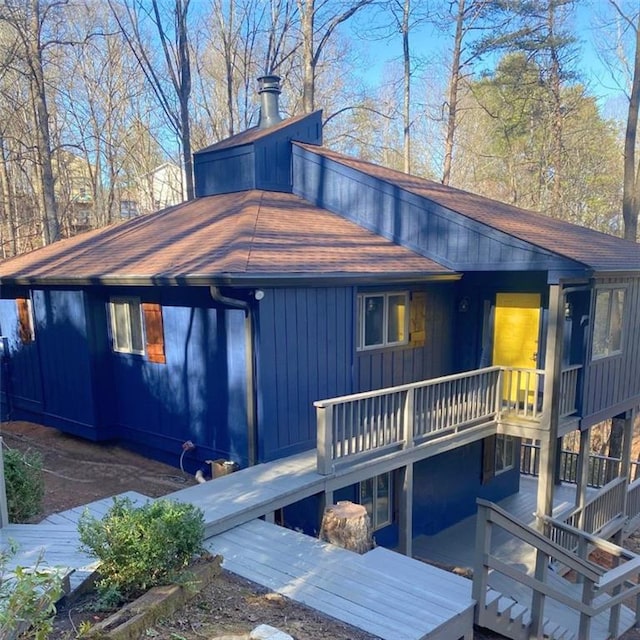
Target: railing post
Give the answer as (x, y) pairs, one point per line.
(4, 512)
(537, 601)
(499, 392)
(324, 417)
(409, 417)
(480, 571)
(585, 619)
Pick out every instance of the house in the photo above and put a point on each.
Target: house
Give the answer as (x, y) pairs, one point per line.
(162, 187)
(435, 330)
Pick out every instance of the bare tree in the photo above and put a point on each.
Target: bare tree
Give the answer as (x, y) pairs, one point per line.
(318, 21)
(630, 25)
(26, 21)
(173, 39)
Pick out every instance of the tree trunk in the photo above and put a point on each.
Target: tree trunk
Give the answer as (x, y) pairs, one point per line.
(454, 82)
(407, 87)
(347, 525)
(307, 13)
(615, 447)
(51, 228)
(630, 199)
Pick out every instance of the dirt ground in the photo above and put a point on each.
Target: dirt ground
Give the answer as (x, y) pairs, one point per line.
(78, 472)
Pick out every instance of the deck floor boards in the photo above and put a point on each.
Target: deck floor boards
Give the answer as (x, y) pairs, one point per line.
(344, 585)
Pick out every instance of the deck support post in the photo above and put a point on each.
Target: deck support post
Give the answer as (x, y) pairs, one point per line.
(404, 481)
(480, 570)
(551, 408)
(582, 480)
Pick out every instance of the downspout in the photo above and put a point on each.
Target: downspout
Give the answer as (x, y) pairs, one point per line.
(252, 432)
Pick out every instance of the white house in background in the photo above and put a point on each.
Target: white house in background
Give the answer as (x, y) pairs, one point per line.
(163, 187)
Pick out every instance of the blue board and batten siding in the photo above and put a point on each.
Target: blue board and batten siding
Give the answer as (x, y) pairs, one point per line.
(612, 384)
(51, 376)
(70, 378)
(307, 352)
(415, 222)
(265, 163)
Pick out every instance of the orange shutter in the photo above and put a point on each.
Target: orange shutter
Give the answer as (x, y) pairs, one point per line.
(24, 320)
(152, 314)
(418, 319)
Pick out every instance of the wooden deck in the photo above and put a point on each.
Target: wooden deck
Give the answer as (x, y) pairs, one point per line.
(388, 595)
(455, 546)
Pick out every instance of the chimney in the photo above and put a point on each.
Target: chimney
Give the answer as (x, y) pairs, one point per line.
(269, 91)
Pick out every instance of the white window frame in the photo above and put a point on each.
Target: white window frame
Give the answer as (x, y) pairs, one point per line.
(607, 352)
(133, 307)
(361, 326)
(501, 461)
(372, 505)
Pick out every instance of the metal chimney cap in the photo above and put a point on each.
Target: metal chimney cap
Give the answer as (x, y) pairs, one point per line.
(269, 108)
(269, 83)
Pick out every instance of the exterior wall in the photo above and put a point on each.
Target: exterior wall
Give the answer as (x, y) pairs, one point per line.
(70, 378)
(446, 488)
(264, 163)
(415, 222)
(381, 368)
(612, 384)
(225, 171)
(51, 379)
(308, 352)
(199, 394)
(473, 338)
(305, 354)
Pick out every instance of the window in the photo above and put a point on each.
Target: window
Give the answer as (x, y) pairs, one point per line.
(607, 326)
(375, 496)
(126, 325)
(137, 328)
(382, 320)
(504, 457)
(26, 325)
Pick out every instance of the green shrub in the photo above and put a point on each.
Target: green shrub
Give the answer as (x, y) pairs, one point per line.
(27, 599)
(141, 547)
(25, 484)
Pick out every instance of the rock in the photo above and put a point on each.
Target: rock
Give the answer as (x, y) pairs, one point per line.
(266, 632)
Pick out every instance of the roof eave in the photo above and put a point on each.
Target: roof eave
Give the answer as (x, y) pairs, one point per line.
(233, 280)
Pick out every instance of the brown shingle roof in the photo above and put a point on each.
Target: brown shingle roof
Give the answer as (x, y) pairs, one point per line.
(254, 233)
(599, 251)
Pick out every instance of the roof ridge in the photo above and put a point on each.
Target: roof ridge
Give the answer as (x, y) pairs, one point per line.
(253, 232)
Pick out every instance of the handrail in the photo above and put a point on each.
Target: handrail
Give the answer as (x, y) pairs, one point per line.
(370, 423)
(598, 472)
(619, 583)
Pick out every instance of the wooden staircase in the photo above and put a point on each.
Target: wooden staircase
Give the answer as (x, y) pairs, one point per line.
(521, 602)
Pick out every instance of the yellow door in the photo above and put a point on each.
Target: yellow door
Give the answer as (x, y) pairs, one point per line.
(515, 341)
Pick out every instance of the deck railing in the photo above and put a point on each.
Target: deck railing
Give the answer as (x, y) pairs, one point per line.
(600, 510)
(601, 468)
(376, 422)
(569, 390)
(632, 508)
(522, 391)
(600, 591)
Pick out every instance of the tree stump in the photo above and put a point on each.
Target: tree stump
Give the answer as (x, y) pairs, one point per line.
(347, 525)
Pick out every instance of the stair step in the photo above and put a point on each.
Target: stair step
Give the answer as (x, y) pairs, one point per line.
(504, 606)
(517, 613)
